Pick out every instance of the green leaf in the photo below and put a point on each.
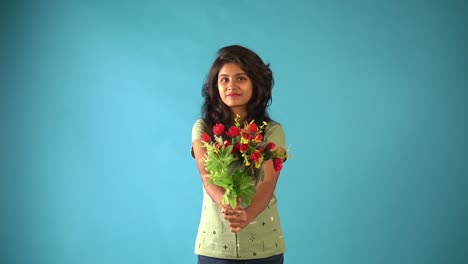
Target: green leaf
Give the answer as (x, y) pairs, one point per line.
(233, 201)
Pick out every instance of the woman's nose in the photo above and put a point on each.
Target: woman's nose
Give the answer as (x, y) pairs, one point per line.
(231, 85)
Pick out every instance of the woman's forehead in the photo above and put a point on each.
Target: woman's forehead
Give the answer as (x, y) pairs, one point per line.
(231, 69)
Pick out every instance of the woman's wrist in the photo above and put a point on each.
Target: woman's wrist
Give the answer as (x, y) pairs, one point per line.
(250, 214)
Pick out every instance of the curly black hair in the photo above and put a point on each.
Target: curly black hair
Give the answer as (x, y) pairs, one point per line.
(214, 110)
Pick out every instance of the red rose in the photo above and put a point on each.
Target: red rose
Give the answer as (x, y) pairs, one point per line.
(255, 156)
(227, 143)
(236, 148)
(253, 128)
(271, 145)
(277, 164)
(233, 131)
(259, 137)
(243, 147)
(218, 129)
(205, 137)
(246, 136)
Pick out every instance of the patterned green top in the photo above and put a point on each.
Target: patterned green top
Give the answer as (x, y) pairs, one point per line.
(262, 238)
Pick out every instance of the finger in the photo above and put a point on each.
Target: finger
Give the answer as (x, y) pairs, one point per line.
(236, 213)
(225, 208)
(235, 225)
(232, 218)
(232, 212)
(226, 212)
(236, 228)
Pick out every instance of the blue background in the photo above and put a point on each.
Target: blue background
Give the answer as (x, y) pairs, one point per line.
(98, 99)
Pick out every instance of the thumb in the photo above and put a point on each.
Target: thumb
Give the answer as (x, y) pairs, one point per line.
(239, 201)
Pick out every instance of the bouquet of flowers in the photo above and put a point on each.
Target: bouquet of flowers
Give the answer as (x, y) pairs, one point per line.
(234, 159)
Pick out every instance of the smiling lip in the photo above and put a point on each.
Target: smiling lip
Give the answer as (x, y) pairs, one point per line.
(232, 95)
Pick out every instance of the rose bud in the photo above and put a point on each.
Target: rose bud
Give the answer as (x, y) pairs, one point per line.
(271, 145)
(253, 128)
(205, 137)
(218, 129)
(233, 131)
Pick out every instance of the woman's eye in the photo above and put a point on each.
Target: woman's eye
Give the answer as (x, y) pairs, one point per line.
(241, 78)
(224, 80)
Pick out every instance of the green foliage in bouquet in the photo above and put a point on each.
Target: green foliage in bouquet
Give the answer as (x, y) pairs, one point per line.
(234, 159)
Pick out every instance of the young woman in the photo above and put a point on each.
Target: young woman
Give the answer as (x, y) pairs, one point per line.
(238, 83)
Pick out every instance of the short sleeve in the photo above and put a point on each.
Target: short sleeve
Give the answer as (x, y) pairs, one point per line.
(274, 133)
(197, 130)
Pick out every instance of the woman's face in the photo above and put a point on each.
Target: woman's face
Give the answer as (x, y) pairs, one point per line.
(234, 86)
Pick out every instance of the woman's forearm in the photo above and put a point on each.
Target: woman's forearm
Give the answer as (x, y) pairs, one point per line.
(264, 192)
(261, 199)
(215, 192)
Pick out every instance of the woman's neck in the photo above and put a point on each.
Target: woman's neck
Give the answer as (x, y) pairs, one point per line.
(242, 115)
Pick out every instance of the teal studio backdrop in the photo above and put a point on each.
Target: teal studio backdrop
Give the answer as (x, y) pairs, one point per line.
(98, 99)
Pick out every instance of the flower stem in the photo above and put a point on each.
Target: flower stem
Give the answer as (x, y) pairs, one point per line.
(237, 246)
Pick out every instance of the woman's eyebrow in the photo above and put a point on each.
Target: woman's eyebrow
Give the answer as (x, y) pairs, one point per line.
(237, 74)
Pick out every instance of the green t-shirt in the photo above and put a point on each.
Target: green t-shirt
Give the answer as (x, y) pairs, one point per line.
(262, 238)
